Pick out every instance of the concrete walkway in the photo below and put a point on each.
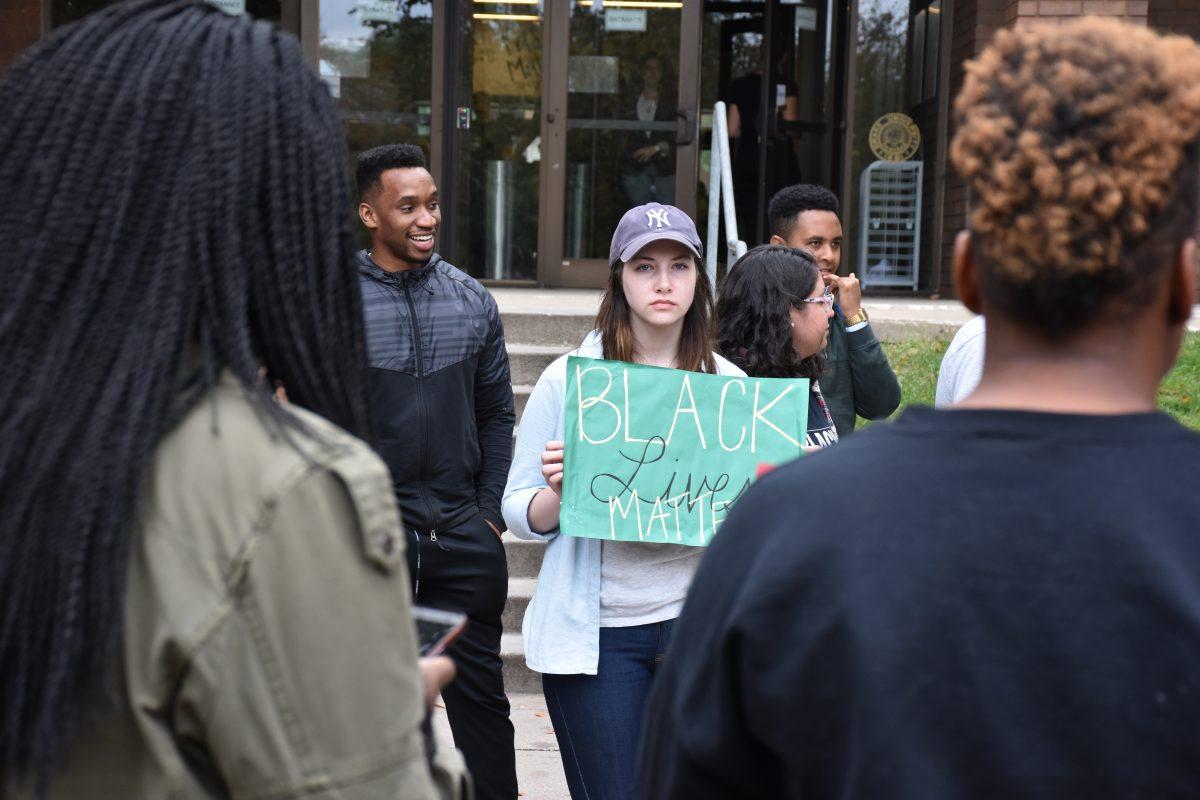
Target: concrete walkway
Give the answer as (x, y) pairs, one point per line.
(539, 769)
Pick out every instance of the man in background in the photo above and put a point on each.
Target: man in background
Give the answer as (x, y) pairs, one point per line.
(859, 381)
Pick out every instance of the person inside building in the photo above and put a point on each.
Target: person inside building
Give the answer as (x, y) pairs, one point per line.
(744, 104)
(647, 161)
(202, 588)
(858, 381)
(602, 613)
(440, 381)
(1006, 604)
(773, 317)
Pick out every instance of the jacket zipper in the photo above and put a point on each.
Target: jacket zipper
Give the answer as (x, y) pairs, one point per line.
(433, 538)
(416, 334)
(417, 576)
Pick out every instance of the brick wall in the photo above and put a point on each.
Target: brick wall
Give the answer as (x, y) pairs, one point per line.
(1029, 12)
(976, 21)
(20, 26)
(1175, 16)
(1181, 17)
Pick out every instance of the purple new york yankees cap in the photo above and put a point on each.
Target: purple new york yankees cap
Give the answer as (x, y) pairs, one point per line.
(652, 222)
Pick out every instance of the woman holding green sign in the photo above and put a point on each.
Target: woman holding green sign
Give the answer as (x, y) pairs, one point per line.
(773, 322)
(601, 616)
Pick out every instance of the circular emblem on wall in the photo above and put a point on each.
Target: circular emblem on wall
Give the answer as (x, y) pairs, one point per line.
(895, 137)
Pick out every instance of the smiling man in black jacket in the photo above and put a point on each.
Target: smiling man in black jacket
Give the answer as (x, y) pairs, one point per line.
(445, 419)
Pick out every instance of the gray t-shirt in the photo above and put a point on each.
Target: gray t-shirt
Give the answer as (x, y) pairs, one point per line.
(962, 366)
(644, 582)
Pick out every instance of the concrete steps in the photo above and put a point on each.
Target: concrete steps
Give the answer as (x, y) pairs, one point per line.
(520, 592)
(565, 330)
(517, 677)
(527, 361)
(524, 561)
(521, 396)
(534, 340)
(524, 556)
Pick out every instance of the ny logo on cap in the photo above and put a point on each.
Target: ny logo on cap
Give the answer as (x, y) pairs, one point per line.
(657, 215)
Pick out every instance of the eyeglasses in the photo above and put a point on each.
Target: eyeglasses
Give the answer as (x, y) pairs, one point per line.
(825, 299)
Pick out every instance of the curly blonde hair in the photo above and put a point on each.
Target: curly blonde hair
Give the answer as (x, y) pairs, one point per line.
(1079, 143)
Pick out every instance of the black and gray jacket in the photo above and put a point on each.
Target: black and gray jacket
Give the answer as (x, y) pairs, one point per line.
(442, 392)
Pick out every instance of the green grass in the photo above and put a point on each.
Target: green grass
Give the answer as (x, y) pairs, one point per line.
(916, 364)
(1180, 393)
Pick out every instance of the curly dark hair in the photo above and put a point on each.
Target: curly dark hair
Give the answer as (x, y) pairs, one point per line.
(1079, 145)
(754, 328)
(371, 164)
(792, 201)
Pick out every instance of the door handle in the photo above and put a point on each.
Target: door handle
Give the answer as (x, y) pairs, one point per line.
(685, 126)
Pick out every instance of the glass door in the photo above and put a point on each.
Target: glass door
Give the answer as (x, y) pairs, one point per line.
(495, 90)
(625, 134)
(375, 59)
(780, 133)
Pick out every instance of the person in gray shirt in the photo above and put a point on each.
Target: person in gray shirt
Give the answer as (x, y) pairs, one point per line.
(962, 365)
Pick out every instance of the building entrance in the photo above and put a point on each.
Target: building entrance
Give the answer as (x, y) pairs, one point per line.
(783, 129)
(562, 117)
(567, 114)
(546, 119)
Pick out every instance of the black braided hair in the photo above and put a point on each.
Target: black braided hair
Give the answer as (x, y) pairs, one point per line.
(172, 193)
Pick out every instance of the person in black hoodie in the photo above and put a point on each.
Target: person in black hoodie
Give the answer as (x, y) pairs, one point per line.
(445, 421)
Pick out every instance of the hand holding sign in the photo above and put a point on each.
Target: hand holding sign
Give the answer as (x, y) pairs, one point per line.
(658, 455)
(552, 466)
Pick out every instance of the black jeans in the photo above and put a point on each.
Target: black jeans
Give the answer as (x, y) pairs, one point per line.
(464, 569)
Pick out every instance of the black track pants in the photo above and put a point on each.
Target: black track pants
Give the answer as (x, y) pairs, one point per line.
(465, 570)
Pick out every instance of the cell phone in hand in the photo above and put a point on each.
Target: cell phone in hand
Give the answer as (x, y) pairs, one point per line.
(437, 629)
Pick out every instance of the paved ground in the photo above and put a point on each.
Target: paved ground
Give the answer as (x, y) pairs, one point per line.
(539, 771)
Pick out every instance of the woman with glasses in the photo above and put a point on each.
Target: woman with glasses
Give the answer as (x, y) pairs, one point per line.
(773, 321)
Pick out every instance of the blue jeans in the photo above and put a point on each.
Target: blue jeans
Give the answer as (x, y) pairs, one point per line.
(598, 718)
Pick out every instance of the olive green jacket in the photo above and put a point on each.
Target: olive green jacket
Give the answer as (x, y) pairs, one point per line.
(269, 649)
(859, 382)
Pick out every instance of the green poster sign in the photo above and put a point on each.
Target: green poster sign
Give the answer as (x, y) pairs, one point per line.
(659, 455)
